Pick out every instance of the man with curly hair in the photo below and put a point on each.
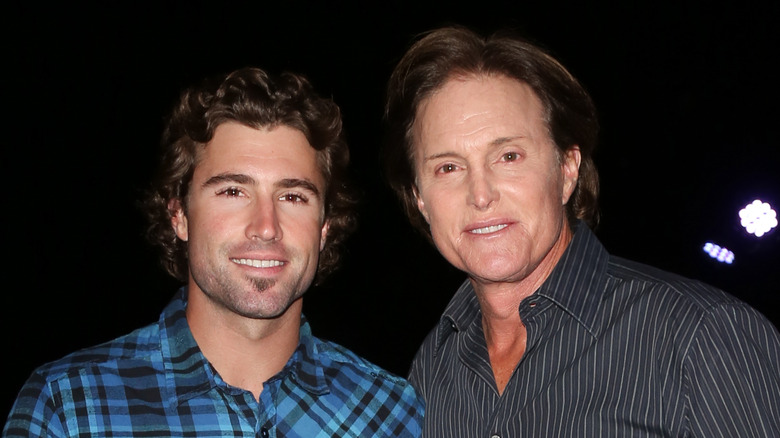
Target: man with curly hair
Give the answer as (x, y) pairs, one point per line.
(250, 207)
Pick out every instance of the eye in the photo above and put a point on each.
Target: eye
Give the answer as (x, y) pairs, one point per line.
(294, 198)
(510, 156)
(447, 168)
(230, 192)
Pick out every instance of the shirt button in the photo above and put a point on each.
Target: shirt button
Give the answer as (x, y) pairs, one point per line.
(264, 432)
(495, 435)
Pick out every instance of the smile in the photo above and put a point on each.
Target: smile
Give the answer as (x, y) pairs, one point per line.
(487, 230)
(258, 263)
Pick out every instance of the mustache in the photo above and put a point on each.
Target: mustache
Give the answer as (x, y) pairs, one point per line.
(259, 246)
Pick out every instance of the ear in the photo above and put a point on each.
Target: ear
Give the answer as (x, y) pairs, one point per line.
(178, 219)
(324, 234)
(420, 204)
(571, 171)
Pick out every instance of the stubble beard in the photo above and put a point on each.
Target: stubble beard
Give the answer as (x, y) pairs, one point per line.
(262, 284)
(249, 296)
(250, 300)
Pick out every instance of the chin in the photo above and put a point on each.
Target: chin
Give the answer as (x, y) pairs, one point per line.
(498, 274)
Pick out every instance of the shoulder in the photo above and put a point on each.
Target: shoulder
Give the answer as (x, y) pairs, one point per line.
(55, 386)
(688, 308)
(637, 278)
(134, 349)
(360, 386)
(336, 359)
(355, 375)
(437, 347)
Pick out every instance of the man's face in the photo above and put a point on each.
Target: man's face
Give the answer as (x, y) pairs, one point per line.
(254, 220)
(489, 180)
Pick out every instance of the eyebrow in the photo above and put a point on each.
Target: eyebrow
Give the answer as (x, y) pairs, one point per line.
(493, 144)
(502, 140)
(240, 178)
(291, 183)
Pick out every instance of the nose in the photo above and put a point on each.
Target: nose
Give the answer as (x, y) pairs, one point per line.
(263, 222)
(482, 189)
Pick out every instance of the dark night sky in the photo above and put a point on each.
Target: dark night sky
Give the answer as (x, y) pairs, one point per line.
(686, 94)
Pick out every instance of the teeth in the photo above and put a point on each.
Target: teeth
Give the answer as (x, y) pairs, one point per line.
(258, 263)
(490, 229)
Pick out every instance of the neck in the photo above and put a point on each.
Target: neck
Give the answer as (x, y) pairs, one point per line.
(505, 333)
(246, 352)
(500, 301)
(501, 321)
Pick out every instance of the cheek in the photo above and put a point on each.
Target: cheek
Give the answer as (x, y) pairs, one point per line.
(549, 189)
(442, 215)
(429, 204)
(305, 230)
(209, 226)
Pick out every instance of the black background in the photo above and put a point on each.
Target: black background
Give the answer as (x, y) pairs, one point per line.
(687, 94)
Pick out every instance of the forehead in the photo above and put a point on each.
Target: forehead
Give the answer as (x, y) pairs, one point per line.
(278, 151)
(478, 102)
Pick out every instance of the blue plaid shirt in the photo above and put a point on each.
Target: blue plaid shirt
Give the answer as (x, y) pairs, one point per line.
(155, 382)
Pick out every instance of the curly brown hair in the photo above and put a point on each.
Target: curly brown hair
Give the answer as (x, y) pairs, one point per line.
(449, 52)
(256, 99)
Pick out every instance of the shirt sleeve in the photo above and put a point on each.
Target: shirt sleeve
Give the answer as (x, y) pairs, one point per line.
(732, 375)
(33, 413)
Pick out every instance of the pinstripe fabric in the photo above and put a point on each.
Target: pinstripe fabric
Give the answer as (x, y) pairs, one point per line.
(614, 349)
(155, 382)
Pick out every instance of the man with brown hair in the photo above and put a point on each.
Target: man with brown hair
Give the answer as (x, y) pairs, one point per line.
(490, 151)
(250, 206)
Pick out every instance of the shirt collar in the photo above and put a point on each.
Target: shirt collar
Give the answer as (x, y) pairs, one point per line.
(305, 364)
(461, 312)
(576, 284)
(188, 373)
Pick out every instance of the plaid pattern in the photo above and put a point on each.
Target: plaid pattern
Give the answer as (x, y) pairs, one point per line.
(155, 382)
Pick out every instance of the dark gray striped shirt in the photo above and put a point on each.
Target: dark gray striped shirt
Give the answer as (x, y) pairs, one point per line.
(614, 349)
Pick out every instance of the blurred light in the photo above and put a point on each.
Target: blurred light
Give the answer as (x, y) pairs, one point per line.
(758, 218)
(719, 253)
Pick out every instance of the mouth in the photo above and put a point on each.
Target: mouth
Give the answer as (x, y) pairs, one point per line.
(258, 263)
(488, 229)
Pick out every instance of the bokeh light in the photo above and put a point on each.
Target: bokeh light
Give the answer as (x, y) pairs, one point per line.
(719, 253)
(758, 218)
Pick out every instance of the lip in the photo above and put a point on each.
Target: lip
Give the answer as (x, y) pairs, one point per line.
(259, 263)
(488, 227)
(266, 262)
